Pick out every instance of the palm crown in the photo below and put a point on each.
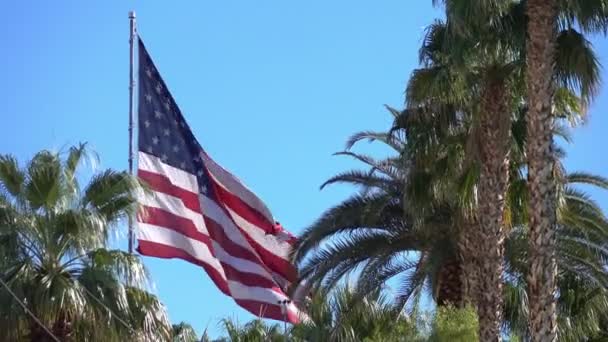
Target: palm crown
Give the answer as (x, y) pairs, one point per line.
(55, 255)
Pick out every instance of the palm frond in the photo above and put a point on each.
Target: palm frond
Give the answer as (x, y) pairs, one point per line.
(111, 194)
(127, 266)
(585, 178)
(576, 65)
(352, 251)
(43, 188)
(72, 161)
(183, 332)
(372, 136)
(12, 178)
(148, 315)
(365, 179)
(356, 213)
(590, 15)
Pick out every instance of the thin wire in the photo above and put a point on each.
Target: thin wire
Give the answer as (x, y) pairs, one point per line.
(110, 310)
(28, 311)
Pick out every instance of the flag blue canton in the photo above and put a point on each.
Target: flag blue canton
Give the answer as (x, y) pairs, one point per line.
(163, 131)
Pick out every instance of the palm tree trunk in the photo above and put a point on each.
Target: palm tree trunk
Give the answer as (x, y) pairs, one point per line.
(62, 329)
(540, 49)
(494, 176)
(449, 291)
(468, 250)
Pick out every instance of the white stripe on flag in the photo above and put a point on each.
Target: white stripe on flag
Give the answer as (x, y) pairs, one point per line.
(267, 241)
(231, 183)
(168, 237)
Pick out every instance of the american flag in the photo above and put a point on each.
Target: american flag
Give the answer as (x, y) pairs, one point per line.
(199, 212)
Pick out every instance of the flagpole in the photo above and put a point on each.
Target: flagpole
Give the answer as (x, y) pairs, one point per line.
(132, 33)
(283, 304)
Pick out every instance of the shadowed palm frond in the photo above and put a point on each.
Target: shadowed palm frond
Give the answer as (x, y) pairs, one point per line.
(576, 65)
(358, 212)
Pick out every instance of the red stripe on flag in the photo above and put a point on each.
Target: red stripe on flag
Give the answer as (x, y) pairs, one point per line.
(242, 209)
(271, 260)
(219, 235)
(165, 219)
(248, 279)
(235, 186)
(186, 227)
(158, 250)
(274, 262)
(163, 184)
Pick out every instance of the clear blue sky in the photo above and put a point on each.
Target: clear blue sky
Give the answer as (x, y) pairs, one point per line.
(270, 88)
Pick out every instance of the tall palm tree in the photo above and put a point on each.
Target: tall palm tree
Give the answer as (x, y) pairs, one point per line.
(479, 77)
(57, 260)
(542, 282)
(542, 55)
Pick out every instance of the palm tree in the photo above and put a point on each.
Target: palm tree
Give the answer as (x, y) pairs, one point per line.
(341, 315)
(183, 332)
(57, 261)
(479, 79)
(542, 55)
(337, 315)
(253, 331)
(405, 221)
(582, 296)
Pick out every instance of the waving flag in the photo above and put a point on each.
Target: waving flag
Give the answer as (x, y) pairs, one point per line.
(199, 212)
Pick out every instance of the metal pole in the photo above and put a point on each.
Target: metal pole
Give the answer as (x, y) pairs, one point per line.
(131, 109)
(284, 304)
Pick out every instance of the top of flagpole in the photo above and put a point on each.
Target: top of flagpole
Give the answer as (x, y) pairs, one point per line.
(131, 14)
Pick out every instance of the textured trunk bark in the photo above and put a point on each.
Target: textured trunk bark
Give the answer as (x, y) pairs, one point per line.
(468, 251)
(62, 329)
(540, 50)
(449, 291)
(495, 129)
